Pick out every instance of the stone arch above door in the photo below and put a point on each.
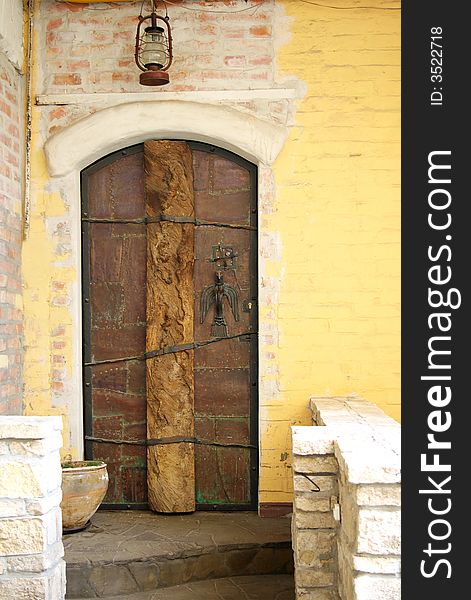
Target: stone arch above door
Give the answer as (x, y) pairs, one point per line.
(112, 128)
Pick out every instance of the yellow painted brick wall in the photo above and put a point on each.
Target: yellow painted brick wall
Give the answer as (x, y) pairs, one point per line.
(333, 272)
(338, 216)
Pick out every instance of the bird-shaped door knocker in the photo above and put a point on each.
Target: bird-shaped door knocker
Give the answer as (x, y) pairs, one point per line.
(215, 294)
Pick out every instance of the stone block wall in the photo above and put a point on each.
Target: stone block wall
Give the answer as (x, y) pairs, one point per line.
(314, 526)
(346, 521)
(31, 550)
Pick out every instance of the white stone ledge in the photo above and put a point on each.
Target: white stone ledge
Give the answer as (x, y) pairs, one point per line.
(365, 462)
(365, 441)
(305, 443)
(28, 428)
(352, 417)
(242, 95)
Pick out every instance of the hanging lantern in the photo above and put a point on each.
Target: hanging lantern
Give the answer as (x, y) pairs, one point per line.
(153, 52)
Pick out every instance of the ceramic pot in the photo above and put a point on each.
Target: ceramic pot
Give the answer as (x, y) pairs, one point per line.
(84, 485)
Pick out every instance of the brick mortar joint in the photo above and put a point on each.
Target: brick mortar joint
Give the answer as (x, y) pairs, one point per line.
(385, 508)
(385, 556)
(314, 454)
(377, 575)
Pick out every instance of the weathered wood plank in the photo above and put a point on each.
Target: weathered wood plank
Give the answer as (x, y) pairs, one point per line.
(170, 378)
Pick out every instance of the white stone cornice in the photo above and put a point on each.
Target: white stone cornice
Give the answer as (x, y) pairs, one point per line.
(215, 96)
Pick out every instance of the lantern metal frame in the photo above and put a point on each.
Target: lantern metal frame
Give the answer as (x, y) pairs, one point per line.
(153, 75)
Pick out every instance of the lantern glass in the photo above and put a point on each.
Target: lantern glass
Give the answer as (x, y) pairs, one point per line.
(154, 46)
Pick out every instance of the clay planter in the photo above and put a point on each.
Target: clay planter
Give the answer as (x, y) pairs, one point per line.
(84, 485)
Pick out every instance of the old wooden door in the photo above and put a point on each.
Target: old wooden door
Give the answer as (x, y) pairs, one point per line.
(170, 326)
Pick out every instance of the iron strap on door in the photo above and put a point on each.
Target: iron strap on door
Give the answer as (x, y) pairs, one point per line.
(172, 349)
(167, 219)
(176, 439)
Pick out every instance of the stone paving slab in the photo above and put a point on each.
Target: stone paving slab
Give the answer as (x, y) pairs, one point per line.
(125, 552)
(256, 587)
(116, 536)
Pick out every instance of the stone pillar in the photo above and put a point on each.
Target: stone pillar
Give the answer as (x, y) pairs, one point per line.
(347, 519)
(31, 550)
(314, 526)
(369, 537)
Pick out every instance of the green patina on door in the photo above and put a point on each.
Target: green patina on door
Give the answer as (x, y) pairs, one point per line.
(224, 354)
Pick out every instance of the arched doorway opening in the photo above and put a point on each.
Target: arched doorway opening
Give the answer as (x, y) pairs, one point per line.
(169, 257)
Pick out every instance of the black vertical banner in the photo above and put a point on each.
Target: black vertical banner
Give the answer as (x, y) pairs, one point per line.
(436, 357)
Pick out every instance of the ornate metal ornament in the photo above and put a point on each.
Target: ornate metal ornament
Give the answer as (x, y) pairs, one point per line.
(224, 257)
(215, 294)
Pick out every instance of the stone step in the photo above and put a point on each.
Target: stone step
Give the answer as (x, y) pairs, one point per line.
(251, 587)
(126, 552)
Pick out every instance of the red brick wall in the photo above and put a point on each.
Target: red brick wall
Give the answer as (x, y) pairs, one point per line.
(11, 325)
(90, 48)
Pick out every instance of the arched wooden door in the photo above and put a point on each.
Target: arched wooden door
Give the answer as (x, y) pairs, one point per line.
(170, 326)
